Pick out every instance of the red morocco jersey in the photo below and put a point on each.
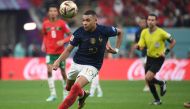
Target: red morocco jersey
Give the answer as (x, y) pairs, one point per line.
(52, 33)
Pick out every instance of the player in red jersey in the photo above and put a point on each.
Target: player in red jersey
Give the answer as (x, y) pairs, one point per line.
(54, 30)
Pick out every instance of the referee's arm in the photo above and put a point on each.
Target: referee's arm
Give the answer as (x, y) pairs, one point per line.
(141, 44)
(172, 42)
(136, 46)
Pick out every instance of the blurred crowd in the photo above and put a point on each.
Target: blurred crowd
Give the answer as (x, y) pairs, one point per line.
(125, 13)
(172, 13)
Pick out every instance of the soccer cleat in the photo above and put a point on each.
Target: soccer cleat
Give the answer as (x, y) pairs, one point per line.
(187, 105)
(146, 88)
(100, 95)
(91, 95)
(156, 102)
(51, 98)
(81, 101)
(163, 88)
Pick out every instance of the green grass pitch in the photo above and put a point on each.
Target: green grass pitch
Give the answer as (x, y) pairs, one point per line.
(117, 95)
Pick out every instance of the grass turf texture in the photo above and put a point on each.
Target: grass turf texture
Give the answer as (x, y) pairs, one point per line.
(117, 95)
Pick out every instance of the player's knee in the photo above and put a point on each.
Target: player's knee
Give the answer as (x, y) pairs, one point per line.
(49, 74)
(148, 79)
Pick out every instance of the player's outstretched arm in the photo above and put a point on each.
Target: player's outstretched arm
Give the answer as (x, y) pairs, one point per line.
(65, 40)
(109, 48)
(43, 47)
(65, 54)
(115, 50)
(119, 38)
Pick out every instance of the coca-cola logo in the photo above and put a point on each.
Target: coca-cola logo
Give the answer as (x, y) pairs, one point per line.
(36, 69)
(136, 70)
(172, 69)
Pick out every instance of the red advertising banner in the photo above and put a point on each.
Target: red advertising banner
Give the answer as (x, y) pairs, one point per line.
(132, 69)
(112, 69)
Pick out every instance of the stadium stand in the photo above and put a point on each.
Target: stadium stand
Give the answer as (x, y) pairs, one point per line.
(175, 17)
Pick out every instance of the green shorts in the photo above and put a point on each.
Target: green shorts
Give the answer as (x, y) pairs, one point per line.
(51, 58)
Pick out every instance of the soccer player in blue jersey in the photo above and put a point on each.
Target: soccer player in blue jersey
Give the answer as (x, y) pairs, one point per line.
(91, 41)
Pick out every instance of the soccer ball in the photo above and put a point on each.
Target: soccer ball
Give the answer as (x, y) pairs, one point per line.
(68, 9)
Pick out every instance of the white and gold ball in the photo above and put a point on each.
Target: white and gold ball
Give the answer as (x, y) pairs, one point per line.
(68, 9)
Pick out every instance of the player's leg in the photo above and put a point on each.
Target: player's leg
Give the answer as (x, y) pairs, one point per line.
(71, 76)
(50, 79)
(146, 87)
(162, 85)
(63, 73)
(96, 85)
(149, 77)
(51, 85)
(93, 86)
(82, 81)
(65, 92)
(75, 91)
(85, 76)
(99, 89)
(155, 68)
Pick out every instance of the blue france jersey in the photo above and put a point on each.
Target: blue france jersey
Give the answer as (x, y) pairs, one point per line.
(91, 45)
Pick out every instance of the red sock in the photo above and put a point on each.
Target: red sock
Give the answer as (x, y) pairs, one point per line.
(75, 91)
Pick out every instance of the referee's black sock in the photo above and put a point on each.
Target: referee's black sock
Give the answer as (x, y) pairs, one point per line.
(154, 80)
(153, 90)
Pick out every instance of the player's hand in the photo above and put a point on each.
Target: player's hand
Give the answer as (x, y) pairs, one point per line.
(60, 42)
(136, 46)
(56, 64)
(43, 48)
(111, 50)
(163, 55)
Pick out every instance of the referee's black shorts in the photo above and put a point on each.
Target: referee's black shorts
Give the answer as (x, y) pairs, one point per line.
(154, 64)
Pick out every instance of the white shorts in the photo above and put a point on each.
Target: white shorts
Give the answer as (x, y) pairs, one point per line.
(76, 70)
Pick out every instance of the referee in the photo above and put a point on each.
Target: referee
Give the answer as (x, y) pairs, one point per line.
(153, 38)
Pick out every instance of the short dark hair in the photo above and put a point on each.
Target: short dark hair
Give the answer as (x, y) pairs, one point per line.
(142, 17)
(152, 14)
(52, 6)
(90, 12)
